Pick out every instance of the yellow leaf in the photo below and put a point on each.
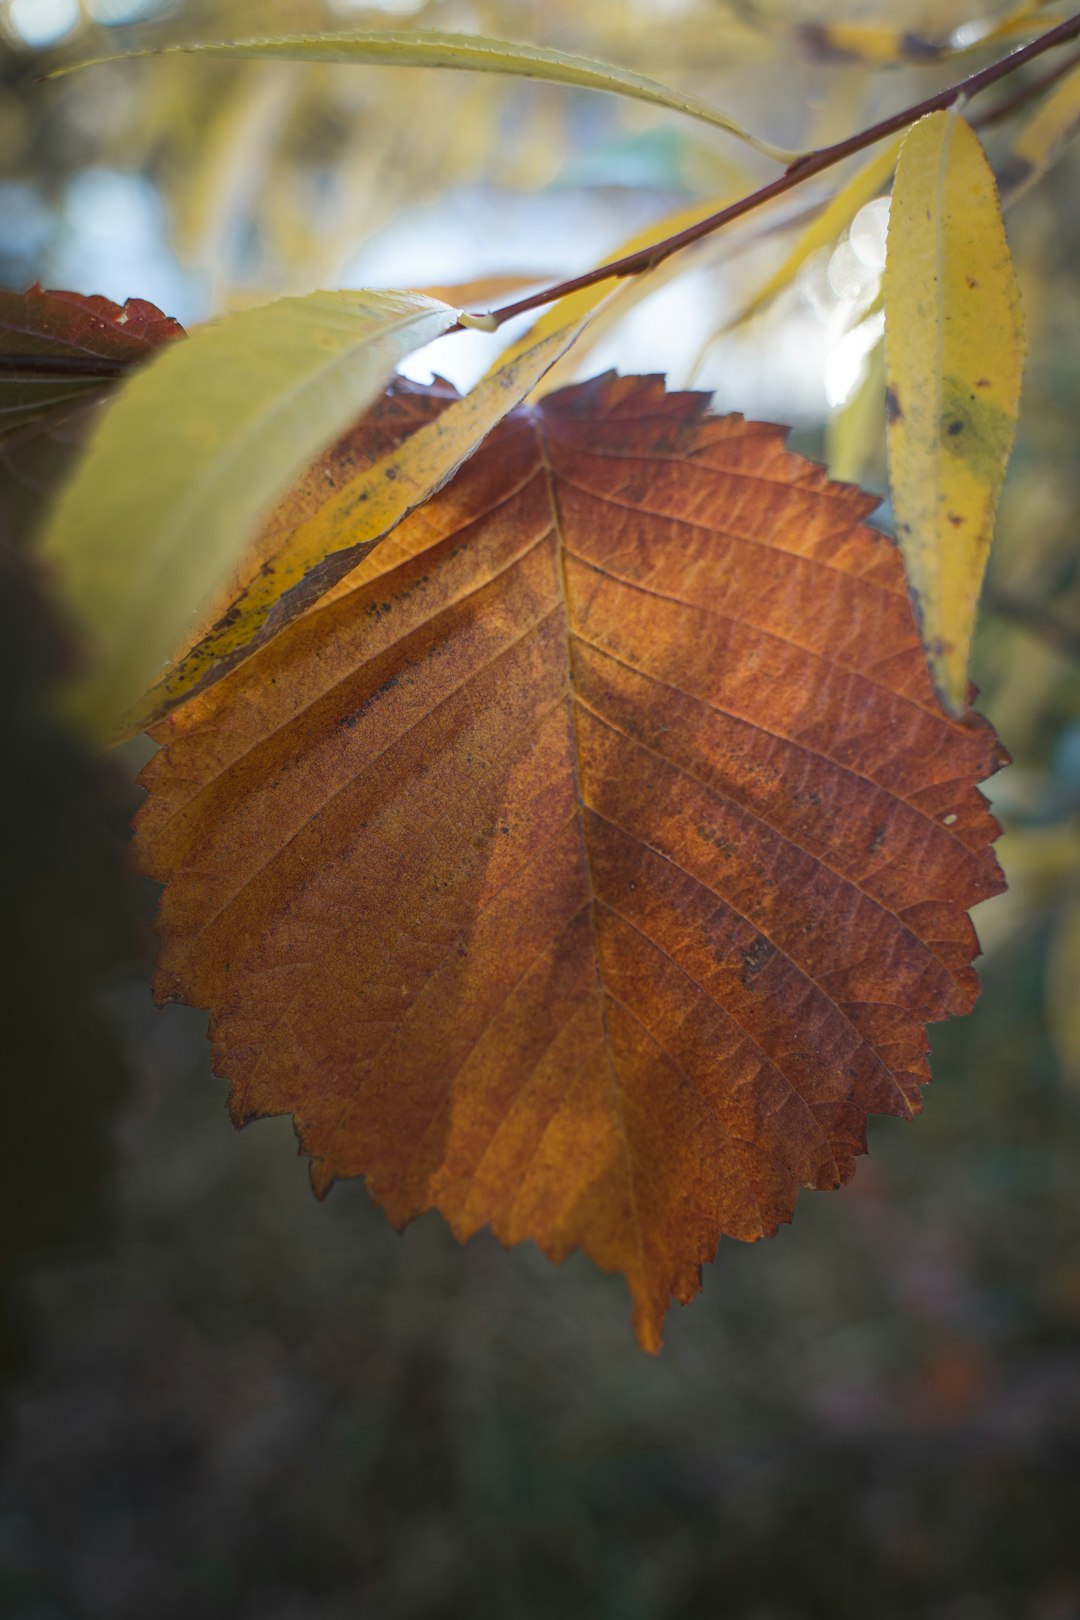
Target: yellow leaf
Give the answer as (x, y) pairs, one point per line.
(954, 357)
(197, 445)
(1041, 140)
(472, 53)
(284, 574)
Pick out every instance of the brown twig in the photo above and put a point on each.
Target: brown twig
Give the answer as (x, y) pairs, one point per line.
(635, 264)
(1027, 92)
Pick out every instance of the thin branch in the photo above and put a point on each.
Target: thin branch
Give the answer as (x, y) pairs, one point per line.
(636, 264)
(1027, 92)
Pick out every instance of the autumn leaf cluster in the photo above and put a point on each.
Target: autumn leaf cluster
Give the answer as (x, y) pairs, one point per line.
(566, 800)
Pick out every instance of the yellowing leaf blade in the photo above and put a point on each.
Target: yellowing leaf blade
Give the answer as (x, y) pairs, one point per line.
(954, 357)
(293, 571)
(200, 442)
(472, 53)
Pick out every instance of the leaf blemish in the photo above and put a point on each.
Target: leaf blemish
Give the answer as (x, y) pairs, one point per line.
(350, 720)
(726, 848)
(754, 959)
(976, 430)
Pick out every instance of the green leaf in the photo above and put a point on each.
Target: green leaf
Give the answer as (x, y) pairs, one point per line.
(954, 352)
(197, 445)
(471, 53)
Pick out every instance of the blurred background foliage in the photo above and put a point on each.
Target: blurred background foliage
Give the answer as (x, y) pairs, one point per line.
(225, 1400)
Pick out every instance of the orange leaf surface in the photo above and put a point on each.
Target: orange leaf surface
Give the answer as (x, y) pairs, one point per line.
(589, 864)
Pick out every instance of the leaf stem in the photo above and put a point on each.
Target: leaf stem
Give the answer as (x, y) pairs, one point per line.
(810, 163)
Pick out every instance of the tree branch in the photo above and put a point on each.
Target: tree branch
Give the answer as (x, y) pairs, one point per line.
(1027, 92)
(636, 264)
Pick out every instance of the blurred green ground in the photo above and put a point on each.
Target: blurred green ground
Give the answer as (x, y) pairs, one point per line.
(227, 1402)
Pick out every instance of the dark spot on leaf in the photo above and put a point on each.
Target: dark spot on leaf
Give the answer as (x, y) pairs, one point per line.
(707, 834)
(955, 518)
(754, 959)
(978, 432)
(350, 720)
(877, 839)
(892, 406)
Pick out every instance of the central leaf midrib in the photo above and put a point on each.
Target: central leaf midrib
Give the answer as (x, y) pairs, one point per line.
(579, 797)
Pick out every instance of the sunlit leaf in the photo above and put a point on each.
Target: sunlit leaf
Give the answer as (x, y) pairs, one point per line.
(195, 448)
(591, 868)
(954, 358)
(466, 52)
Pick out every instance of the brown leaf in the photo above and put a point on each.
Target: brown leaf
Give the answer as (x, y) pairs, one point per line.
(60, 348)
(589, 865)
